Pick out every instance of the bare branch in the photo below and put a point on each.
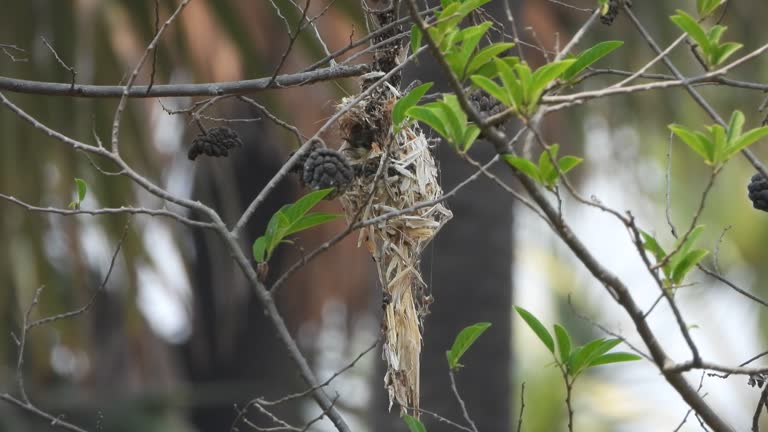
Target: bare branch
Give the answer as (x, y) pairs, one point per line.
(109, 211)
(463, 406)
(170, 90)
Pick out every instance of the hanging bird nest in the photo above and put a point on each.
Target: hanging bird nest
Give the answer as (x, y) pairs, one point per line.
(394, 172)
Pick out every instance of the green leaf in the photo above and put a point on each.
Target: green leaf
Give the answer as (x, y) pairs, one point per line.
(259, 249)
(459, 56)
(567, 163)
(590, 56)
(468, 6)
(537, 328)
(429, 115)
(485, 55)
(581, 359)
(295, 211)
(454, 123)
(492, 89)
(744, 141)
(706, 7)
(309, 221)
(686, 263)
(720, 144)
(414, 425)
(290, 219)
(275, 225)
(735, 126)
(715, 33)
(724, 51)
(463, 341)
(614, 357)
(563, 342)
(407, 101)
(603, 5)
(525, 166)
(690, 240)
(415, 38)
(490, 70)
(694, 30)
(547, 169)
(544, 76)
(650, 244)
(448, 18)
(82, 189)
(511, 84)
(470, 135)
(697, 142)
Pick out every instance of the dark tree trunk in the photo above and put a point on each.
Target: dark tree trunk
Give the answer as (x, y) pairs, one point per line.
(233, 349)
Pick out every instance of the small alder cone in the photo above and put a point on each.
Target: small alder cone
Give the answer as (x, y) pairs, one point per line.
(613, 12)
(394, 172)
(758, 192)
(324, 168)
(485, 104)
(214, 142)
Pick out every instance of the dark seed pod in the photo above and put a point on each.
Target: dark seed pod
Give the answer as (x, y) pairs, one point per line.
(326, 168)
(756, 380)
(485, 104)
(758, 192)
(214, 142)
(613, 12)
(298, 166)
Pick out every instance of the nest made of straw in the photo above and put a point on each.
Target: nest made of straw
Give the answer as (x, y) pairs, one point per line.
(394, 172)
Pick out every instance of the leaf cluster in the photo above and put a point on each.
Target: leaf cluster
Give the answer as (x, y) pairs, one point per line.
(575, 359)
(290, 219)
(718, 144)
(683, 259)
(545, 172)
(713, 52)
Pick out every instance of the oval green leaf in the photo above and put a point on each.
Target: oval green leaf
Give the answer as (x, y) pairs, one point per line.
(538, 328)
(463, 341)
(82, 189)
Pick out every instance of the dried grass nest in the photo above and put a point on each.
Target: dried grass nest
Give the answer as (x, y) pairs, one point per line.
(394, 172)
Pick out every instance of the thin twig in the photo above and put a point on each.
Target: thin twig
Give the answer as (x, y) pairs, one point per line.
(83, 309)
(458, 397)
(762, 402)
(124, 98)
(154, 52)
(69, 69)
(109, 211)
(522, 408)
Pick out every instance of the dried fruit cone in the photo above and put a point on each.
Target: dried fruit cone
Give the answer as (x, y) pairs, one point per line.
(324, 168)
(613, 12)
(758, 192)
(214, 142)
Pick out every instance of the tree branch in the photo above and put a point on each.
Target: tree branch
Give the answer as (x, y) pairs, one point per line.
(169, 90)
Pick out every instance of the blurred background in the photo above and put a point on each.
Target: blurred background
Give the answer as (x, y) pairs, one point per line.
(177, 342)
